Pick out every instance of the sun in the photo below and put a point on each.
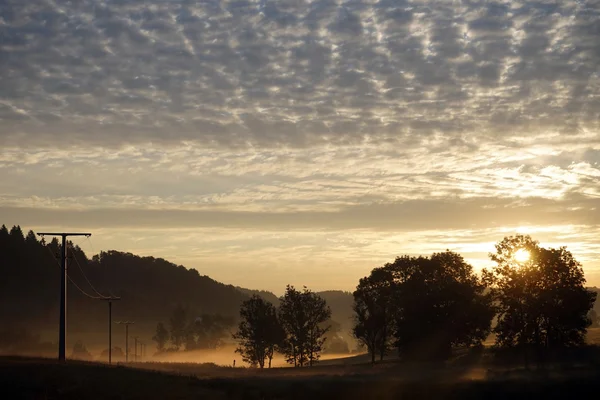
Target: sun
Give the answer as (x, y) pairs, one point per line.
(521, 255)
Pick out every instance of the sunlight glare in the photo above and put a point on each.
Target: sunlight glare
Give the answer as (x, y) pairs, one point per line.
(521, 255)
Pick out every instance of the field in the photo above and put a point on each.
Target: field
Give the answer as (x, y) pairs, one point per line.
(30, 378)
(470, 375)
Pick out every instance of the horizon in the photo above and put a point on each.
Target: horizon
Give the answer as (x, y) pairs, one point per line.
(304, 142)
(91, 250)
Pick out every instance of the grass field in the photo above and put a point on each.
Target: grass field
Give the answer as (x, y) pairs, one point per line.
(27, 378)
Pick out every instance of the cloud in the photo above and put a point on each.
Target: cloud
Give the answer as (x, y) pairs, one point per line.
(233, 74)
(331, 130)
(412, 215)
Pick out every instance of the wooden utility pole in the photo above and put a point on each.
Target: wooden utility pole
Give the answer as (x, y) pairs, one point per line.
(110, 300)
(62, 327)
(126, 323)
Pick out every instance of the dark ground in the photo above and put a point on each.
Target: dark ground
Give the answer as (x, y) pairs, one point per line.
(28, 378)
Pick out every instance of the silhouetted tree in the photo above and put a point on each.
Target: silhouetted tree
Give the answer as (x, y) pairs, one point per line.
(143, 283)
(542, 301)
(302, 315)
(439, 303)
(161, 337)
(3, 232)
(178, 323)
(593, 317)
(374, 314)
(207, 331)
(259, 331)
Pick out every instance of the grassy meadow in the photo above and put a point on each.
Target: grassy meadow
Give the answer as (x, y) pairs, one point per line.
(470, 376)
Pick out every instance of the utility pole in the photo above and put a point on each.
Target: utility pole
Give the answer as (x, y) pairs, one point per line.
(135, 351)
(126, 323)
(62, 327)
(110, 300)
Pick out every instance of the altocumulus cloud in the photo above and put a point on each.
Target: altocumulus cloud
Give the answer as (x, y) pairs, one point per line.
(333, 130)
(296, 73)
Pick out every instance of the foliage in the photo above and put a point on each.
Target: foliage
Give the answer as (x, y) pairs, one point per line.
(178, 326)
(593, 317)
(149, 287)
(440, 304)
(207, 331)
(541, 302)
(373, 308)
(259, 332)
(433, 304)
(302, 315)
(161, 337)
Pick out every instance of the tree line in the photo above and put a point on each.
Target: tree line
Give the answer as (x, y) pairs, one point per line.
(150, 287)
(204, 331)
(420, 307)
(426, 307)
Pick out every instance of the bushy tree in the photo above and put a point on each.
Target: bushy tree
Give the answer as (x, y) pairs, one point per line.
(259, 332)
(436, 303)
(302, 316)
(373, 311)
(541, 300)
(161, 337)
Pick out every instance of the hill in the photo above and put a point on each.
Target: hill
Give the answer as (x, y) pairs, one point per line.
(150, 289)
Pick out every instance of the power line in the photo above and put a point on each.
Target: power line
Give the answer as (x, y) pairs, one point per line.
(73, 282)
(86, 278)
(100, 296)
(62, 329)
(91, 245)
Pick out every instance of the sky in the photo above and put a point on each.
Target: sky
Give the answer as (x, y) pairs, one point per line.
(305, 142)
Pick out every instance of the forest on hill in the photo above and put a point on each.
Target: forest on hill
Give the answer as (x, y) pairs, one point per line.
(183, 309)
(150, 290)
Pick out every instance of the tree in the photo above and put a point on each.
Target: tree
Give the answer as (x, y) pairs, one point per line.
(439, 303)
(259, 332)
(542, 301)
(208, 330)
(178, 323)
(161, 337)
(302, 315)
(593, 317)
(373, 311)
(3, 232)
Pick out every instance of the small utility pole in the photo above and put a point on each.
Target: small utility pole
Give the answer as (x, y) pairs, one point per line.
(110, 300)
(135, 349)
(126, 323)
(62, 327)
